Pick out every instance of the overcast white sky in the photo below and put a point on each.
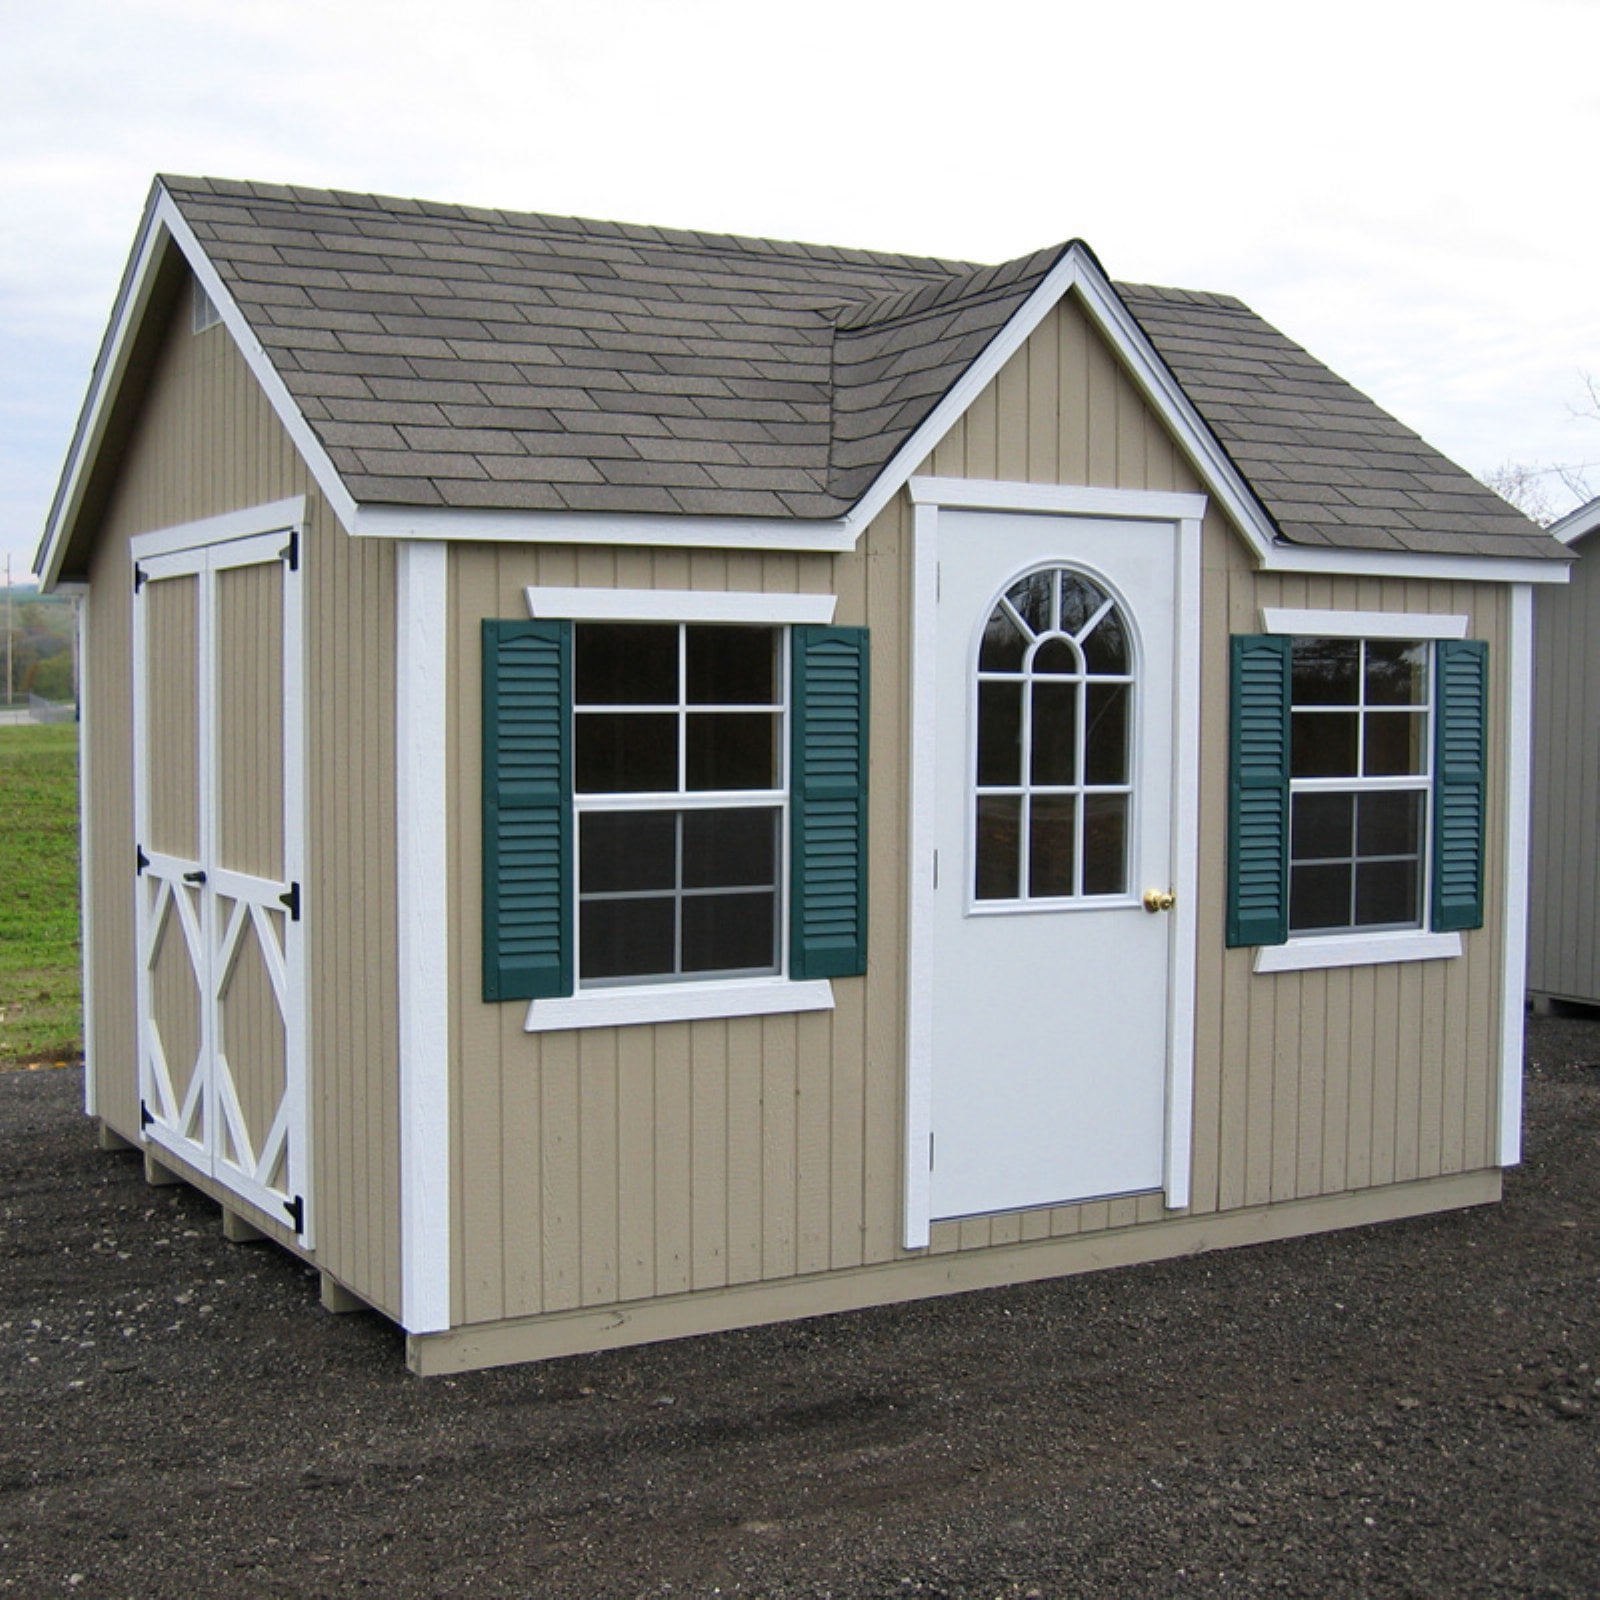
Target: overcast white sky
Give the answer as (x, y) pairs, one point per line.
(1406, 188)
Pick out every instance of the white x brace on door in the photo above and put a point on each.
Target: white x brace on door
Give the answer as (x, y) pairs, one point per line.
(219, 818)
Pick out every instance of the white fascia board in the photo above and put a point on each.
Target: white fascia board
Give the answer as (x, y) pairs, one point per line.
(162, 222)
(1331, 562)
(1576, 524)
(655, 530)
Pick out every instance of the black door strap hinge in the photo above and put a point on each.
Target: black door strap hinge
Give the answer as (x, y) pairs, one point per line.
(291, 551)
(139, 577)
(292, 901)
(297, 1212)
(145, 1115)
(140, 860)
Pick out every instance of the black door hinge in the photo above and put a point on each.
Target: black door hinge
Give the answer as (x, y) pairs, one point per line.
(145, 1116)
(291, 551)
(297, 1212)
(139, 576)
(291, 900)
(140, 860)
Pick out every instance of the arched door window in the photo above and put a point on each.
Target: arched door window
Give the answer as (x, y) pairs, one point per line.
(1053, 782)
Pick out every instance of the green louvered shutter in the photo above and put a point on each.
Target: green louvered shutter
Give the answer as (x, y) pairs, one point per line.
(1258, 791)
(527, 809)
(1459, 773)
(828, 803)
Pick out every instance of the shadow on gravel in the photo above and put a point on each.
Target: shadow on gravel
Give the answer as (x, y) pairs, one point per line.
(1405, 1410)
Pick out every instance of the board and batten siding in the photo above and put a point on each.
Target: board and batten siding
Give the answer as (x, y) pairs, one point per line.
(205, 442)
(607, 1166)
(1564, 876)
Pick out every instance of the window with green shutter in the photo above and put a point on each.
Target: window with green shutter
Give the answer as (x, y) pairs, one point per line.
(671, 803)
(1356, 786)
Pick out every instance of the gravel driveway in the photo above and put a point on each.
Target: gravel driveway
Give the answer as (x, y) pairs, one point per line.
(1405, 1410)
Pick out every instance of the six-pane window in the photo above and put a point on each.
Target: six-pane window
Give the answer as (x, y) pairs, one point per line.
(680, 787)
(1360, 767)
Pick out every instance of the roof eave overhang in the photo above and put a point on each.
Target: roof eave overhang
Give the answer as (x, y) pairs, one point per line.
(1076, 269)
(161, 230)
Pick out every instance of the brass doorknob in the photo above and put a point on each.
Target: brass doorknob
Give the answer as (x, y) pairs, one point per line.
(1159, 900)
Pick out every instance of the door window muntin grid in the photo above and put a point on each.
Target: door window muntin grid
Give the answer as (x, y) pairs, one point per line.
(1057, 640)
(685, 745)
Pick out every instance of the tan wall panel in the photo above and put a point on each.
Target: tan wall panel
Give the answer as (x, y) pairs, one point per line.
(620, 1163)
(250, 755)
(172, 635)
(206, 442)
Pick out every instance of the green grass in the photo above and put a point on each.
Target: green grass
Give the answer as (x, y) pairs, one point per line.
(41, 995)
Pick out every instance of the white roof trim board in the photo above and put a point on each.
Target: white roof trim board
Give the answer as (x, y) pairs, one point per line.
(1576, 524)
(1075, 271)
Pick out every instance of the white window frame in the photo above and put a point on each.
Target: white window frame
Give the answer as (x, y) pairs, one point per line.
(682, 1000)
(1306, 952)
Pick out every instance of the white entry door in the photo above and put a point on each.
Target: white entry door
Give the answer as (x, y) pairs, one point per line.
(1053, 791)
(220, 825)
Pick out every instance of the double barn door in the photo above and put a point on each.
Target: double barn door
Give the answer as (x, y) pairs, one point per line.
(220, 827)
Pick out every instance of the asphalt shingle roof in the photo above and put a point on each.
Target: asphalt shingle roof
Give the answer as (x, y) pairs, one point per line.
(460, 357)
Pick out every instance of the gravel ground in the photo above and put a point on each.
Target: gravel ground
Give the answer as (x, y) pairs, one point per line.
(1407, 1410)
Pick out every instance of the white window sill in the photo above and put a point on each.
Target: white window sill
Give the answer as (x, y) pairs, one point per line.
(678, 1002)
(1356, 950)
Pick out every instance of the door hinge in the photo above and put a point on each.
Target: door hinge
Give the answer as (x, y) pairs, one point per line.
(145, 1116)
(139, 576)
(296, 1209)
(140, 860)
(291, 551)
(291, 901)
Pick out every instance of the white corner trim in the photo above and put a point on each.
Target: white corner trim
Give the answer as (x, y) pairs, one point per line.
(86, 875)
(1356, 950)
(678, 1002)
(1185, 850)
(916, 1224)
(679, 605)
(273, 516)
(988, 494)
(1364, 624)
(1519, 767)
(421, 676)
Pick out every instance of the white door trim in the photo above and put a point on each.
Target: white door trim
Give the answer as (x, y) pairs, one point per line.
(1185, 513)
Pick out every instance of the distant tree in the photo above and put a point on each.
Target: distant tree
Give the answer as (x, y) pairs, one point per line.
(1534, 490)
(52, 679)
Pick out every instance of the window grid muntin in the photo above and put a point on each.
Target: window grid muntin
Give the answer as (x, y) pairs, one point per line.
(774, 799)
(1082, 791)
(1357, 784)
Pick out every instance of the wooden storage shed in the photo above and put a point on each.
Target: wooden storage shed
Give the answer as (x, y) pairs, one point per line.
(640, 782)
(1564, 926)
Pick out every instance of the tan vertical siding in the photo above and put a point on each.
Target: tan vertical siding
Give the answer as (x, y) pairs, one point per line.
(1564, 875)
(205, 442)
(614, 1165)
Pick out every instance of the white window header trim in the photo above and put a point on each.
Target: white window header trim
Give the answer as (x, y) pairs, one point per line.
(679, 605)
(1364, 624)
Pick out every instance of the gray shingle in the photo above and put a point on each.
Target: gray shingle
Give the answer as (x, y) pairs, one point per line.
(450, 355)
